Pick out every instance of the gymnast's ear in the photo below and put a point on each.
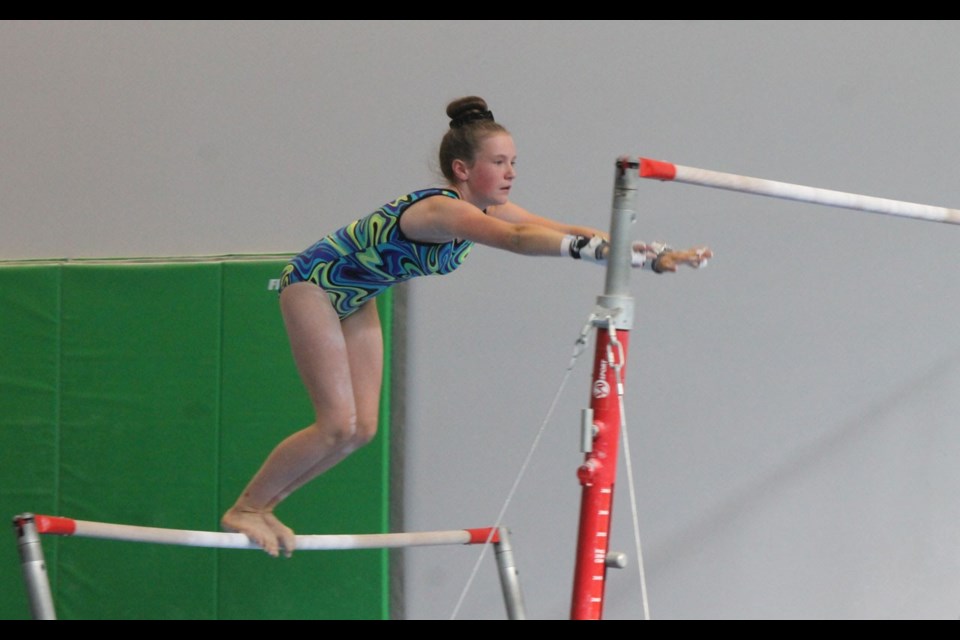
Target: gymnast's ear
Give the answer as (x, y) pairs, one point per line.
(461, 170)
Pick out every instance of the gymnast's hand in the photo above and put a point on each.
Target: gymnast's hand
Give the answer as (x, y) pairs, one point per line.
(661, 258)
(669, 260)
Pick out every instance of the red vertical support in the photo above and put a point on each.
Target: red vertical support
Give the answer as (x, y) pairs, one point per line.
(598, 473)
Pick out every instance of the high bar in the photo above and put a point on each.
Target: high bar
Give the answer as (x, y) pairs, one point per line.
(57, 525)
(667, 171)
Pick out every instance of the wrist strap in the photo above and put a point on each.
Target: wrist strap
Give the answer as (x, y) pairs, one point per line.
(650, 258)
(573, 246)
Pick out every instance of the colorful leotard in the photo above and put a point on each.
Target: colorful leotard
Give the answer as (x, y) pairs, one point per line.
(359, 261)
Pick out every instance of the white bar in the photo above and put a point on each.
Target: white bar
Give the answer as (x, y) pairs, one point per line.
(131, 533)
(787, 191)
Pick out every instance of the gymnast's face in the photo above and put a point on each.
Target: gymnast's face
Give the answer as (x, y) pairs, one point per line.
(489, 178)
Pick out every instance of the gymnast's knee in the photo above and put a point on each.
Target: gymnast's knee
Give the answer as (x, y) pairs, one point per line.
(349, 434)
(364, 433)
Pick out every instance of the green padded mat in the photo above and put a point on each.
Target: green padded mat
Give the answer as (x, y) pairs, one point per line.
(147, 392)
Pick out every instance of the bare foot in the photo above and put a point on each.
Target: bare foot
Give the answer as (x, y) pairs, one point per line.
(285, 535)
(254, 525)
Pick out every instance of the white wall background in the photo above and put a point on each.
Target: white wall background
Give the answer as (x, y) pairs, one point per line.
(791, 409)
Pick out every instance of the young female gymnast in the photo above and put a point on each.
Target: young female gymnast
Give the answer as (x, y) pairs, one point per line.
(327, 299)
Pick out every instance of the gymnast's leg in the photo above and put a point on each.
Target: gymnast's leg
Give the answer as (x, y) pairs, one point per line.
(341, 365)
(364, 340)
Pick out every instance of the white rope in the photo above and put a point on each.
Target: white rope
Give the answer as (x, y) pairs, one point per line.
(578, 348)
(627, 461)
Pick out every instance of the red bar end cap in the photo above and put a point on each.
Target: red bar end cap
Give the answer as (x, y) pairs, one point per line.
(657, 169)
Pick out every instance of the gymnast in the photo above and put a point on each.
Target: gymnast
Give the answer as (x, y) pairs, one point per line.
(327, 299)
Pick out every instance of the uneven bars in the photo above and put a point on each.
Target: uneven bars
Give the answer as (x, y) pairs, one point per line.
(29, 527)
(667, 171)
(57, 525)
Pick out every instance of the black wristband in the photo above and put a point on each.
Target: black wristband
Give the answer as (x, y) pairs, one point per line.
(579, 242)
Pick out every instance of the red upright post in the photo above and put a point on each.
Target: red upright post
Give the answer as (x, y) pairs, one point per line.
(598, 473)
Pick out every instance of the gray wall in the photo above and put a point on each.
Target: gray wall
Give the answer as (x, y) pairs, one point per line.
(790, 409)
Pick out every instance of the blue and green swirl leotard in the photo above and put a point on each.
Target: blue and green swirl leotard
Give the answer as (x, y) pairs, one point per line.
(359, 261)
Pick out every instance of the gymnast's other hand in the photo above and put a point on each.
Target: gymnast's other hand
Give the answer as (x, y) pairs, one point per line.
(669, 260)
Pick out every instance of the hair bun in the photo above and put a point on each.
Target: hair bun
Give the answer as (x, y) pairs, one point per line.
(468, 109)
